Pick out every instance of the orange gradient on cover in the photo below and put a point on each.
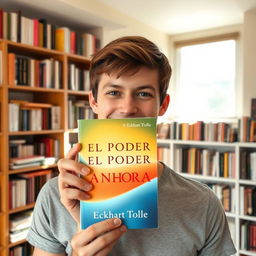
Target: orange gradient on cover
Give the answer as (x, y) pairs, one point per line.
(122, 159)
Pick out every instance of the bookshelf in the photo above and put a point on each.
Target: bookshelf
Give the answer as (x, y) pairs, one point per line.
(40, 95)
(235, 217)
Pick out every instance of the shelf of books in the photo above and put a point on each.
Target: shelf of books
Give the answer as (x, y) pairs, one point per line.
(44, 84)
(226, 162)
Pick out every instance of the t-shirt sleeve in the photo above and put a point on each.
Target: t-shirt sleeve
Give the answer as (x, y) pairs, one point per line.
(218, 238)
(41, 233)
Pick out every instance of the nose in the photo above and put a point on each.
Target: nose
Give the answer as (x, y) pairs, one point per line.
(128, 105)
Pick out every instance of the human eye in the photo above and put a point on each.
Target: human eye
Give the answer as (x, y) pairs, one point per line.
(113, 93)
(144, 94)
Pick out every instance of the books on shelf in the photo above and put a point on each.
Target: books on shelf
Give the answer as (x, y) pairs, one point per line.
(123, 168)
(24, 162)
(253, 108)
(30, 116)
(39, 32)
(248, 165)
(79, 79)
(247, 129)
(41, 151)
(26, 71)
(24, 188)
(79, 109)
(248, 236)
(21, 250)
(247, 200)
(19, 226)
(226, 194)
(163, 154)
(201, 131)
(207, 162)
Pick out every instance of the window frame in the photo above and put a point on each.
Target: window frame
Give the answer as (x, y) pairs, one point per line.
(203, 40)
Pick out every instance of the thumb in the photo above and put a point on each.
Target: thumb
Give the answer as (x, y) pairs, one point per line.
(72, 154)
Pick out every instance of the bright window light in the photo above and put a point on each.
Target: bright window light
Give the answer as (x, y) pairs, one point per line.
(206, 81)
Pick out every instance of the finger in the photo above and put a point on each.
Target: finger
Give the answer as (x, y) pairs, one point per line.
(107, 249)
(103, 243)
(65, 165)
(96, 230)
(67, 180)
(70, 194)
(73, 151)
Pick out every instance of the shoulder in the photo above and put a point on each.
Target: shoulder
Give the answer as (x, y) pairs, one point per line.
(182, 191)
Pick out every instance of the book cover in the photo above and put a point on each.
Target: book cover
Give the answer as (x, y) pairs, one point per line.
(122, 156)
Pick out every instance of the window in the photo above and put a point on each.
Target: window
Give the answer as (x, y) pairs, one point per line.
(206, 81)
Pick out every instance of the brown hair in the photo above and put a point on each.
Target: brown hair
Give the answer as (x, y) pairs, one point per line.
(127, 55)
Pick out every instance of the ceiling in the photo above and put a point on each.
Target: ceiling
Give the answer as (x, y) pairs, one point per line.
(179, 16)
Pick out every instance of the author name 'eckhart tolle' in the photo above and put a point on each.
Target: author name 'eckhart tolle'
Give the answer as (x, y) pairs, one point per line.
(122, 157)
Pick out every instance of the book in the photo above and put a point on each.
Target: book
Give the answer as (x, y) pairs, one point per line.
(25, 160)
(122, 157)
(253, 108)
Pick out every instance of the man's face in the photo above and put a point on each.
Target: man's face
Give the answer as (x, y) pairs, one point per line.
(129, 96)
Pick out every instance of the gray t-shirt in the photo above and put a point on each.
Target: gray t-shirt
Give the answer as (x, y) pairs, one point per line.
(191, 222)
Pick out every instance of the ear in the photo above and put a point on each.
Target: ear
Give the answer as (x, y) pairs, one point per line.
(93, 103)
(164, 105)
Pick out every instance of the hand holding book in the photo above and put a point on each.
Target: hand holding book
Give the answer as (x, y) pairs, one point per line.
(72, 190)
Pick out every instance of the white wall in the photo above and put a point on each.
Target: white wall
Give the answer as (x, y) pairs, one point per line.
(125, 25)
(249, 60)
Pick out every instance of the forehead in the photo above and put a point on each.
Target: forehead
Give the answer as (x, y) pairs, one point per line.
(144, 76)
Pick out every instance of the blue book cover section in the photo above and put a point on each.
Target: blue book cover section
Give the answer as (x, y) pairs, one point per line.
(122, 157)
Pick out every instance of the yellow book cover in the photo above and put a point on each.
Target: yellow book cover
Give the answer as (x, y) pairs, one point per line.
(122, 157)
(60, 39)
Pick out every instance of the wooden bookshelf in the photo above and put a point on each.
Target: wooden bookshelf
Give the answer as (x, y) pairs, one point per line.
(59, 97)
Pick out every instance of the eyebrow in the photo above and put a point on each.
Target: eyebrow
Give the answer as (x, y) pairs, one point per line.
(143, 87)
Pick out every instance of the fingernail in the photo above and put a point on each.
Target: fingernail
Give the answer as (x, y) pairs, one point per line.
(85, 171)
(123, 228)
(117, 222)
(88, 187)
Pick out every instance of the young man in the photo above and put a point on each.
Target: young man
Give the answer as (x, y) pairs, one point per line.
(129, 78)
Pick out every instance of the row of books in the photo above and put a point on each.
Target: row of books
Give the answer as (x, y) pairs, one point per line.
(39, 32)
(48, 147)
(200, 131)
(24, 188)
(226, 194)
(79, 79)
(79, 109)
(163, 154)
(30, 116)
(248, 200)
(248, 236)
(19, 225)
(21, 250)
(26, 71)
(205, 162)
(248, 165)
(247, 129)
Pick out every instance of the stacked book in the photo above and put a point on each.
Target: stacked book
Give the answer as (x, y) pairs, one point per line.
(248, 236)
(248, 200)
(19, 226)
(28, 161)
(248, 165)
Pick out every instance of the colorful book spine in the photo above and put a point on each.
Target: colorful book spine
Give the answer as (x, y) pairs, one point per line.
(122, 157)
